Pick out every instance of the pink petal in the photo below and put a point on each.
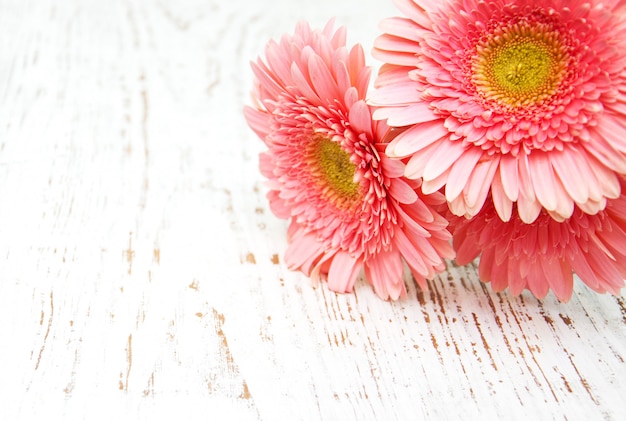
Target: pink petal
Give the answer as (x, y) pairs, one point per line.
(615, 238)
(397, 58)
(574, 173)
(442, 158)
(477, 188)
(466, 249)
(342, 76)
(559, 276)
(391, 168)
(509, 176)
(397, 94)
(258, 121)
(384, 272)
(398, 27)
(303, 85)
(408, 251)
(542, 176)
(401, 191)
(415, 167)
(592, 207)
(413, 11)
(322, 79)
(410, 114)
(606, 154)
(360, 118)
(417, 211)
(613, 132)
(395, 44)
(356, 61)
(608, 182)
(457, 207)
(461, 171)
(303, 253)
(536, 280)
(416, 138)
(528, 209)
(485, 266)
(343, 272)
(503, 205)
(434, 185)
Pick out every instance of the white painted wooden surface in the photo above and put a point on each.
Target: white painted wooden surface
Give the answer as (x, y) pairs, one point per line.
(140, 268)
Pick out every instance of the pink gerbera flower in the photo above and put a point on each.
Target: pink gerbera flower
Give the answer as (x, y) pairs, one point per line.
(348, 204)
(521, 101)
(544, 254)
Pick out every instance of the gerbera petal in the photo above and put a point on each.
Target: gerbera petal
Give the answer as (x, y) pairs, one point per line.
(415, 167)
(433, 185)
(303, 252)
(509, 176)
(304, 87)
(343, 272)
(360, 118)
(414, 12)
(442, 158)
(606, 154)
(560, 278)
(322, 79)
(467, 249)
(257, 120)
(412, 256)
(478, 187)
(401, 191)
(357, 66)
(400, 93)
(502, 204)
(461, 171)
(607, 182)
(573, 172)
(415, 139)
(398, 27)
(611, 130)
(536, 281)
(411, 114)
(391, 168)
(544, 183)
(385, 274)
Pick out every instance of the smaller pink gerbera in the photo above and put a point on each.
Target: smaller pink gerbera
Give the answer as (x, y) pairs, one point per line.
(544, 255)
(349, 206)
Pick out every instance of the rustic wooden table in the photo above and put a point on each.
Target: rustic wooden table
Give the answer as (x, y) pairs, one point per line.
(141, 274)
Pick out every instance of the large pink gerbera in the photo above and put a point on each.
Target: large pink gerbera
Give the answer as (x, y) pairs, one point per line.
(544, 254)
(523, 101)
(348, 204)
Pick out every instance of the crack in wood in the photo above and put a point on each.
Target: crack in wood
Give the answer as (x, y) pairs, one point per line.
(48, 327)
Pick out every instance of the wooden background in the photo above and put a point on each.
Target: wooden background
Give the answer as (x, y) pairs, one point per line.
(141, 274)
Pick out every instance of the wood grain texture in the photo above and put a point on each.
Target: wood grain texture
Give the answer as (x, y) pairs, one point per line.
(141, 271)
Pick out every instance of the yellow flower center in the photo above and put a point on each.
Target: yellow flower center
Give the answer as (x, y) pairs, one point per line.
(334, 172)
(521, 66)
(337, 169)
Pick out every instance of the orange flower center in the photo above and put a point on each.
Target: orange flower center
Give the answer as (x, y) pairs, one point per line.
(520, 66)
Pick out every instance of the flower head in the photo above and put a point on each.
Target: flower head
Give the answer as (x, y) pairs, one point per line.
(349, 205)
(521, 101)
(544, 255)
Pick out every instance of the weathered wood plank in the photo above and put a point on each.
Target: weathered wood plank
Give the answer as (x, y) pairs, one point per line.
(141, 271)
